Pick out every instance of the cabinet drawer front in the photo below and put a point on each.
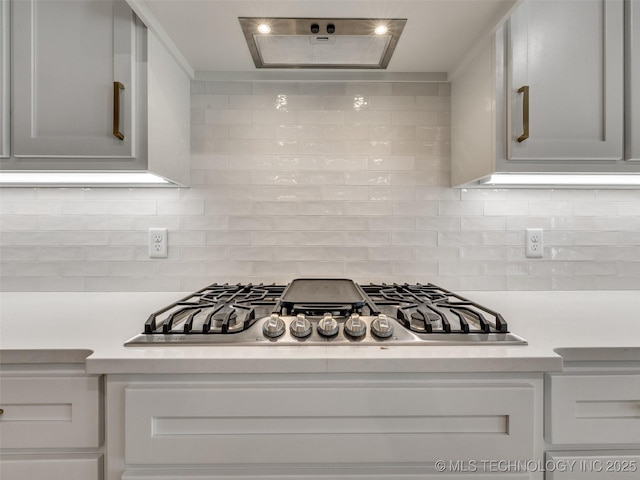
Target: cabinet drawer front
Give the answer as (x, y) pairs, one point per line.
(56, 412)
(613, 465)
(203, 424)
(51, 467)
(598, 409)
(265, 473)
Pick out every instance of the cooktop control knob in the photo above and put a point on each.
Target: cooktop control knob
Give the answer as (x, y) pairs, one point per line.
(273, 327)
(355, 327)
(381, 327)
(327, 326)
(300, 327)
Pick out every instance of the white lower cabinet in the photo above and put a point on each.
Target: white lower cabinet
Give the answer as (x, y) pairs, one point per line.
(321, 426)
(592, 423)
(593, 408)
(51, 425)
(594, 465)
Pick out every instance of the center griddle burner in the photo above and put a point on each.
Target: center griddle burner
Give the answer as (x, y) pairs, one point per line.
(323, 312)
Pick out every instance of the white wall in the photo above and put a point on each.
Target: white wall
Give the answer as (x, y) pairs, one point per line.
(308, 179)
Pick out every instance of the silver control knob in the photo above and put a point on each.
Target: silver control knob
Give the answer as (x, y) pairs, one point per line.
(327, 326)
(273, 327)
(300, 327)
(381, 327)
(355, 327)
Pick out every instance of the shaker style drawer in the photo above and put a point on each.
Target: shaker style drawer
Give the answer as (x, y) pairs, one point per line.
(592, 409)
(51, 467)
(203, 423)
(51, 412)
(593, 465)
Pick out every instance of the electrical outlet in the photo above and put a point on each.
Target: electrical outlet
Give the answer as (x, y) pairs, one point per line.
(158, 243)
(534, 244)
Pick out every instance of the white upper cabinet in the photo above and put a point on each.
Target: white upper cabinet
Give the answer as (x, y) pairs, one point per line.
(547, 93)
(569, 56)
(633, 80)
(4, 78)
(66, 58)
(92, 90)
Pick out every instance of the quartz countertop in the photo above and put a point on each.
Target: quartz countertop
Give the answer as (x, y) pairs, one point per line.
(92, 328)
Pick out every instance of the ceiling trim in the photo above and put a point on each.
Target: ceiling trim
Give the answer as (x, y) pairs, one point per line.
(321, 76)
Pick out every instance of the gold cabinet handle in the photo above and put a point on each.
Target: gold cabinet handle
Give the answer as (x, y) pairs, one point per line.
(1, 411)
(525, 113)
(117, 86)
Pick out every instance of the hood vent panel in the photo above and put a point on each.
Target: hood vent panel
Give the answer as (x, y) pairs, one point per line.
(321, 43)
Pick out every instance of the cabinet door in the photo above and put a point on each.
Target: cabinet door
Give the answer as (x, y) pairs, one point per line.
(4, 78)
(66, 57)
(54, 412)
(184, 424)
(592, 409)
(632, 91)
(570, 56)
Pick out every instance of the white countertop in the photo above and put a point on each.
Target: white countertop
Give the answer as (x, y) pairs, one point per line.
(69, 327)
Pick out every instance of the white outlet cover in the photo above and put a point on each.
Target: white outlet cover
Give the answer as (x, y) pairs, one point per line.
(158, 243)
(534, 243)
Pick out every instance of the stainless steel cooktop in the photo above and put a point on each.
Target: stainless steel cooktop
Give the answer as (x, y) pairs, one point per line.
(317, 311)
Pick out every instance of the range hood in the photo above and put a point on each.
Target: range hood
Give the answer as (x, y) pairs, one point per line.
(329, 43)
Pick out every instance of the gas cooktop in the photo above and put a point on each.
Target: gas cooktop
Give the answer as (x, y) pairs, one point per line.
(319, 311)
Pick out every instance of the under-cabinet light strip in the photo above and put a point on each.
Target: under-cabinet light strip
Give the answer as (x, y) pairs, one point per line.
(563, 180)
(79, 178)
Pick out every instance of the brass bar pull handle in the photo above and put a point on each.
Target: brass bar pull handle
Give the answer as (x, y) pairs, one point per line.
(1, 411)
(117, 86)
(525, 113)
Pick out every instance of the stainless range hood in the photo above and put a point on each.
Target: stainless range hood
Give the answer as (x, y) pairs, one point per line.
(329, 43)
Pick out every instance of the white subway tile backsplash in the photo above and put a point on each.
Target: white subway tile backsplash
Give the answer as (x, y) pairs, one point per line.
(483, 283)
(228, 117)
(482, 223)
(414, 88)
(468, 268)
(251, 253)
(131, 269)
(459, 209)
(336, 253)
(227, 88)
(510, 208)
(59, 254)
(247, 102)
(204, 253)
(483, 253)
(310, 254)
(618, 195)
(31, 208)
(386, 193)
(213, 102)
(393, 102)
(594, 238)
(10, 223)
(22, 253)
(425, 268)
(368, 117)
(550, 208)
(369, 88)
(460, 238)
(318, 179)
(435, 253)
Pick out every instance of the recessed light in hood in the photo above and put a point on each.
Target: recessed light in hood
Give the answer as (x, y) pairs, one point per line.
(321, 42)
